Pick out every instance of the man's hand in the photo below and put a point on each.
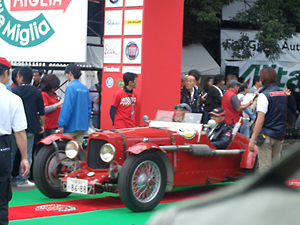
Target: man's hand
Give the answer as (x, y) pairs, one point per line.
(251, 146)
(42, 130)
(287, 91)
(24, 167)
(60, 130)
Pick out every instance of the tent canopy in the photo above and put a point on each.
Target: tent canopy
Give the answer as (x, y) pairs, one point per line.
(196, 57)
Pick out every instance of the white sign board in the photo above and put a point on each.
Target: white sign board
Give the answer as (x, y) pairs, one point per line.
(113, 3)
(49, 31)
(132, 69)
(287, 66)
(112, 50)
(131, 3)
(133, 21)
(132, 50)
(113, 22)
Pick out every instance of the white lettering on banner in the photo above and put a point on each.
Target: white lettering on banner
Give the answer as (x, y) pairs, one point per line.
(15, 32)
(33, 3)
(111, 69)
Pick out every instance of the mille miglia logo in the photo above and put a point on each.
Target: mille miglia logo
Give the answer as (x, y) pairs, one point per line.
(28, 33)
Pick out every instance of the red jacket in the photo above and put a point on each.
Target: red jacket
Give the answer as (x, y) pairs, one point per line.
(231, 116)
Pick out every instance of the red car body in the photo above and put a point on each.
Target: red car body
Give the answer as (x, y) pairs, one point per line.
(183, 156)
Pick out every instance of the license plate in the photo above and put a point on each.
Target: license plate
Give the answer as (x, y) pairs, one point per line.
(77, 186)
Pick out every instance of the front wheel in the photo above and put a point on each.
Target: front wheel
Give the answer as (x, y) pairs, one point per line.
(142, 181)
(48, 169)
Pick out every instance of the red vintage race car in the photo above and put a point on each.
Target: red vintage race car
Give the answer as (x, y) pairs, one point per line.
(139, 163)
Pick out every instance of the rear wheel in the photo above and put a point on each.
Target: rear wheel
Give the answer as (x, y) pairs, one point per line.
(48, 169)
(142, 181)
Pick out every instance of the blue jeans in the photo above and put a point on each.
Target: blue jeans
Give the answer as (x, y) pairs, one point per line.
(14, 149)
(95, 121)
(245, 128)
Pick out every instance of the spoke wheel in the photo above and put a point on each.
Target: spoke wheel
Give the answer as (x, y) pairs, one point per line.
(147, 176)
(48, 169)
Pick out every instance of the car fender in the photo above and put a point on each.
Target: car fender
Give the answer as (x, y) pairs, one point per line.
(248, 159)
(54, 137)
(141, 147)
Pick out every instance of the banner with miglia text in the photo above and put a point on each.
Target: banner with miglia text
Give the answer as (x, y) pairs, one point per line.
(43, 30)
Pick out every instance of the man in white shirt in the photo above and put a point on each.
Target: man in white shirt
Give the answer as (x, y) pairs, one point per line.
(12, 118)
(256, 85)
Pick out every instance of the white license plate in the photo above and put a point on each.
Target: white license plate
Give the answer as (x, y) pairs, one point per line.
(77, 186)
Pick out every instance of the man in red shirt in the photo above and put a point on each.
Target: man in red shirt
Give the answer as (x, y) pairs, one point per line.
(231, 104)
(123, 105)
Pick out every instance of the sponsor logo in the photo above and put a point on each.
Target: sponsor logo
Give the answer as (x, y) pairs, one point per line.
(29, 33)
(111, 69)
(228, 134)
(55, 207)
(109, 82)
(113, 1)
(120, 83)
(132, 50)
(277, 93)
(110, 50)
(186, 133)
(126, 101)
(132, 69)
(112, 23)
(133, 22)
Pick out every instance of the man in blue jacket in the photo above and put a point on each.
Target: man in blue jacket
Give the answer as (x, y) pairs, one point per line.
(74, 118)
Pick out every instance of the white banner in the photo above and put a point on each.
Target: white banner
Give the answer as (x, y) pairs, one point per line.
(287, 67)
(44, 31)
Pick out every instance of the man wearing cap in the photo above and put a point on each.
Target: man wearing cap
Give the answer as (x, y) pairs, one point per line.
(220, 135)
(12, 118)
(231, 104)
(180, 111)
(74, 117)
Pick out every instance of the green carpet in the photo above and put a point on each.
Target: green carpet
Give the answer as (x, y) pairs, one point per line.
(119, 216)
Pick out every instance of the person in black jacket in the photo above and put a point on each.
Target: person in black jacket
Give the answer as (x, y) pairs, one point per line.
(189, 93)
(220, 136)
(34, 109)
(214, 96)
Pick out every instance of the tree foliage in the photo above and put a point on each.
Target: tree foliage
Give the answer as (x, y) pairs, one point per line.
(275, 20)
(202, 21)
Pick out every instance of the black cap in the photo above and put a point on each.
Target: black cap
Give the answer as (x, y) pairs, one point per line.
(218, 112)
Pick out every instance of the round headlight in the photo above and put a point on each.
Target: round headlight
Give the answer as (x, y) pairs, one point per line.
(107, 152)
(72, 149)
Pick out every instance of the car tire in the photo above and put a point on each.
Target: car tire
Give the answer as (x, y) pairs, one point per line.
(142, 181)
(44, 165)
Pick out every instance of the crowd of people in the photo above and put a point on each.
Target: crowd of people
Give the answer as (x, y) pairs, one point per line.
(36, 109)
